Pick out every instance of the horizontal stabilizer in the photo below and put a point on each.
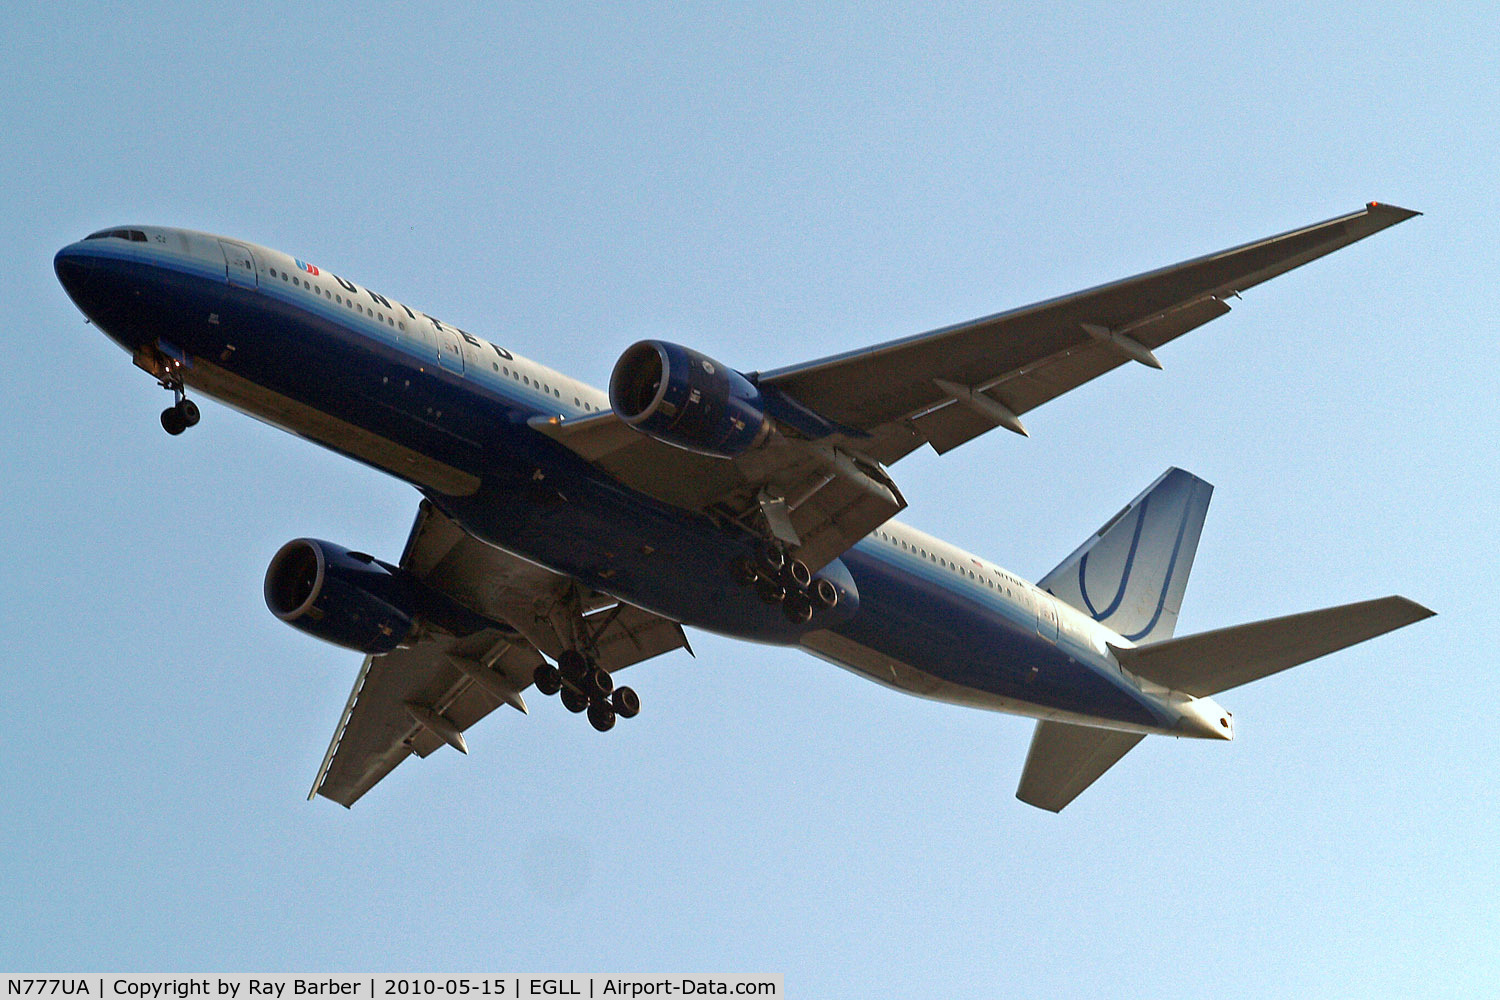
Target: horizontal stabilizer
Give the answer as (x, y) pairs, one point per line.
(1065, 759)
(1210, 662)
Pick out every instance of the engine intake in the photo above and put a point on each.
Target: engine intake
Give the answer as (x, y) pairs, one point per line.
(343, 597)
(687, 399)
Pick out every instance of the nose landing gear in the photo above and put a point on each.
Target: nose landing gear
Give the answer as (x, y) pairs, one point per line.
(183, 413)
(179, 416)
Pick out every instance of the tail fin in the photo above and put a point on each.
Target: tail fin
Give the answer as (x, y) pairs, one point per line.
(1132, 573)
(1209, 662)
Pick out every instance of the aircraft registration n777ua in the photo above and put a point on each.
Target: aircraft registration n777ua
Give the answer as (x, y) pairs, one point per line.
(565, 533)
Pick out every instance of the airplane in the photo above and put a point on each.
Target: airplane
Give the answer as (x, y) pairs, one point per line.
(565, 533)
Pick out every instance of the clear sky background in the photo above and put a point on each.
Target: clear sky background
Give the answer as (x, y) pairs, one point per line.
(768, 184)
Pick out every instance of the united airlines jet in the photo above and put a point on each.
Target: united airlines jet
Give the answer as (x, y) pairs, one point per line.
(565, 533)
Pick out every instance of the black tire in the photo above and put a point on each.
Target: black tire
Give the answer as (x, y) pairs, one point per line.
(598, 684)
(770, 558)
(189, 412)
(573, 701)
(745, 573)
(601, 716)
(770, 591)
(626, 702)
(823, 593)
(172, 422)
(797, 608)
(547, 679)
(573, 665)
(798, 575)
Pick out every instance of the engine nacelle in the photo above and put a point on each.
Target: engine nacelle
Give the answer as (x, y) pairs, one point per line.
(343, 597)
(686, 399)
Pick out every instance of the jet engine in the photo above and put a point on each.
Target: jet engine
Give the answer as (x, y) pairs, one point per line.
(347, 598)
(686, 399)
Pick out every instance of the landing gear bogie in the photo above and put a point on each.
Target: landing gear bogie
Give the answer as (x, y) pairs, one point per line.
(585, 687)
(781, 580)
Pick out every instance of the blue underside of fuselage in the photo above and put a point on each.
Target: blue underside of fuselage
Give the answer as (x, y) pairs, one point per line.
(541, 501)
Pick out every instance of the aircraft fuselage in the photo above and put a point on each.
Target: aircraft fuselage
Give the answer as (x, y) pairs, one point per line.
(447, 411)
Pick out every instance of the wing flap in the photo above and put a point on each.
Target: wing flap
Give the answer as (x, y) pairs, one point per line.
(1065, 759)
(1210, 662)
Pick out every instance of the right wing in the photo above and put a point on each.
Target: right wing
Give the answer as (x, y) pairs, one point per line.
(416, 698)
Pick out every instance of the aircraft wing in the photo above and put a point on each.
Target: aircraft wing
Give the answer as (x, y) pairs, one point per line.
(940, 388)
(419, 697)
(948, 386)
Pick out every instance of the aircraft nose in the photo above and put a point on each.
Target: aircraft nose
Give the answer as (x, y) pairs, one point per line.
(74, 269)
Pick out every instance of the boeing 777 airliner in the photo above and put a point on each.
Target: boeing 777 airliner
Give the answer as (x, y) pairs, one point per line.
(565, 533)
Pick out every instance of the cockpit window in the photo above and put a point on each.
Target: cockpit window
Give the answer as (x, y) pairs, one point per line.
(133, 235)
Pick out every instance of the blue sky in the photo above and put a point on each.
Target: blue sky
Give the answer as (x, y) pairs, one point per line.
(768, 184)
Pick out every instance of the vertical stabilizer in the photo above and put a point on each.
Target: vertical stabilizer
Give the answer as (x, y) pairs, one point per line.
(1131, 574)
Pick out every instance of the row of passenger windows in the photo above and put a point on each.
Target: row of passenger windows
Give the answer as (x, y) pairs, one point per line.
(358, 307)
(933, 557)
(380, 317)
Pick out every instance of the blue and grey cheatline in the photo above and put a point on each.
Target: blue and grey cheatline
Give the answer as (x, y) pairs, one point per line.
(565, 533)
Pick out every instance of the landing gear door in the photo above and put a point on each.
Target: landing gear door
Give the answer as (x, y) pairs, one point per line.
(239, 265)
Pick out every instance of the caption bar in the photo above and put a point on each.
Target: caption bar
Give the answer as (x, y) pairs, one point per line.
(365, 986)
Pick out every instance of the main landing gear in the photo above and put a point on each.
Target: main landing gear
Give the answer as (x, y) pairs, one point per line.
(584, 686)
(578, 680)
(788, 582)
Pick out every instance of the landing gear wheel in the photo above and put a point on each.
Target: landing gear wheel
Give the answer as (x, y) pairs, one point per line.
(797, 608)
(188, 410)
(770, 591)
(572, 665)
(627, 704)
(823, 593)
(745, 573)
(172, 422)
(573, 701)
(548, 679)
(601, 716)
(798, 575)
(598, 684)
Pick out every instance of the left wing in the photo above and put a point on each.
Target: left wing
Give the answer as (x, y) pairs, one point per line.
(416, 698)
(945, 387)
